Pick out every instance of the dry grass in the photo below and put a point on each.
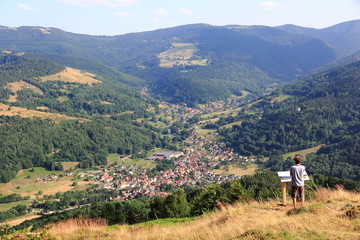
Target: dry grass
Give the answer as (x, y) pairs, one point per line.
(19, 220)
(43, 108)
(281, 98)
(232, 124)
(72, 75)
(303, 152)
(18, 86)
(86, 228)
(27, 113)
(250, 170)
(106, 103)
(68, 165)
(321, 219)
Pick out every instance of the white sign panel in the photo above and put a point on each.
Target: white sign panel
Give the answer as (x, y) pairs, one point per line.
(285, 176)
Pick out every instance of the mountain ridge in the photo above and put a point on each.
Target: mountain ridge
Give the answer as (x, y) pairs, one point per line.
(344, 36)
(240, 53)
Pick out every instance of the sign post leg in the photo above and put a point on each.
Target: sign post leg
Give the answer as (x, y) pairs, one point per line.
(283, 186)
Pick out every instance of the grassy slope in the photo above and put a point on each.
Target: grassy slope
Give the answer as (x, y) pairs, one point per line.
(322, 218)
(139, 163)
(26, 184)
(7, 110)
(303, 152)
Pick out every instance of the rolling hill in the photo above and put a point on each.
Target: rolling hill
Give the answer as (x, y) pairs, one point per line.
(188, 64)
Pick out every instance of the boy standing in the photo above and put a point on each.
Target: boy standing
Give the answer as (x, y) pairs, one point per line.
(297, 173)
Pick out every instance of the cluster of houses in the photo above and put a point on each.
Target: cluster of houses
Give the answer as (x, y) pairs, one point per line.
(53, 177)
(192, 167)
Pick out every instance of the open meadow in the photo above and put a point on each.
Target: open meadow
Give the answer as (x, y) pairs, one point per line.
(127, 161)
(72, 75)
(332, 214)
(33, 183)
(236, 170)
(7, 110)
(181, 54)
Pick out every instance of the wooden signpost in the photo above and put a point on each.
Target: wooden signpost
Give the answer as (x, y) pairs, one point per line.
(284, 178)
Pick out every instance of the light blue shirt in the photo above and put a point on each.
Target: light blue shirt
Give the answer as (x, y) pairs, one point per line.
(297, 175)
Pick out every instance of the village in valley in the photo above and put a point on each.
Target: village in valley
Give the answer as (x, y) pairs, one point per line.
(191, 167)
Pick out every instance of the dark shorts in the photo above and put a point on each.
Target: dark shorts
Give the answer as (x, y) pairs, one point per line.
(296, 190)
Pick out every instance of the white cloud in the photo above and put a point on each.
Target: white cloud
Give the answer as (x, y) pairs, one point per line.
(125, 14)
(270, 5)
(161, 12)
(185, 11)
(27, 7)
(91, 3)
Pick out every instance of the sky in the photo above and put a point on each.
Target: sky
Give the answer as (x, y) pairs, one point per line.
(115, 17)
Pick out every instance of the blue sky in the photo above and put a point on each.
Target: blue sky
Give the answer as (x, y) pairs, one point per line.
(113, 17)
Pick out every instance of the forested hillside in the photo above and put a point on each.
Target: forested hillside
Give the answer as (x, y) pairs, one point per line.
(185, 64)
(323, 109)
(88, 120)
(344, 36)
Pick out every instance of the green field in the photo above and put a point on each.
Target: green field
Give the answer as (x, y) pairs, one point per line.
(232, 124)
(223, 113)
(7, 206)
(282, 98)
(167, 221)
(26, 183)
(140, 163)
(202, 132)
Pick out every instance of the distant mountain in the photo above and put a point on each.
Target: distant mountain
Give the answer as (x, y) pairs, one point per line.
(322, 109)
(344, 36)
(185, 64)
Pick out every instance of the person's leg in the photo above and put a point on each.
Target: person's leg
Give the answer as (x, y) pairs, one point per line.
(294, 191)
(302, 194)
(294, 202)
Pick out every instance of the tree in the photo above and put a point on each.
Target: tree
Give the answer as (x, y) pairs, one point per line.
(176, 205)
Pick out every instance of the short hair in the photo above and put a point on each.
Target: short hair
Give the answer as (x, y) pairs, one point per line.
(297, 159)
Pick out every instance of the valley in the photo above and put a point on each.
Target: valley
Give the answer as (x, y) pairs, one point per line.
(175, 124)
(200, 161)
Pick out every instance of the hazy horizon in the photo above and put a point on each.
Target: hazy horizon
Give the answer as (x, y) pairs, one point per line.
(116, 17)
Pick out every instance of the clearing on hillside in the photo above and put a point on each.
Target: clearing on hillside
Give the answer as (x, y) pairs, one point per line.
(233, 169)
(181, 54)
(18, 86)
(303, 152)
(72, 75)
(21, 219)
(29, 183)
(27, 113)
